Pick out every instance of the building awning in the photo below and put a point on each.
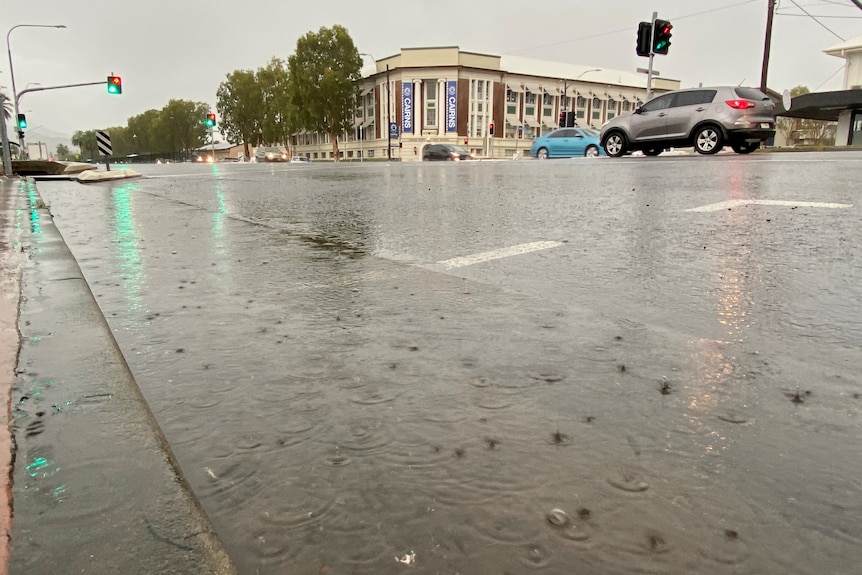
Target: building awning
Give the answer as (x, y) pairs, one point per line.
(357, 122)
(549, 122)
(571, 91)
(513, 120)
(552, 89)
(533, 88)
(532, 122)
(367, 90)
(514, 87)
(821, 105)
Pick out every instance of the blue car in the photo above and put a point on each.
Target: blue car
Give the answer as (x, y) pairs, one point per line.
(567, 143)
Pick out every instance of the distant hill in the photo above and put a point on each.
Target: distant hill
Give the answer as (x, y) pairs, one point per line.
(51, 138)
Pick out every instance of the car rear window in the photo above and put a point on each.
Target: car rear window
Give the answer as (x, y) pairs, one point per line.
(751, 94)
(694, 97)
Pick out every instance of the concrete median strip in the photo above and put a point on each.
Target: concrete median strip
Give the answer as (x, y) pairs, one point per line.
(93, 176)
(737, 203)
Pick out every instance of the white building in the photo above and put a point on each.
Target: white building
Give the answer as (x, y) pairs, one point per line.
(494, 105)
(842, 106)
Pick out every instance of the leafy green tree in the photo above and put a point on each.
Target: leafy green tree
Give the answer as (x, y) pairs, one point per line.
(86, 142)
(239, 101)
(324, 71)
(143, 130)
(277, 121)
(63, 152)
(180, 125)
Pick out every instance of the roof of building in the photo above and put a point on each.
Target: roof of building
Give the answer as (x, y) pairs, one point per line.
(851, 45)
(561, 70)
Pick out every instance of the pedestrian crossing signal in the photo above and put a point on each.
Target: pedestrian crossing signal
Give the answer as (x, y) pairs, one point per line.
(211, 120)
(115, 85)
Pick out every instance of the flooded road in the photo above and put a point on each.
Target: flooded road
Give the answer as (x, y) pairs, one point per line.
(498, 367)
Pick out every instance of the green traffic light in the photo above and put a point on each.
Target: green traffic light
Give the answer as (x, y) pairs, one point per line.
(22, 121)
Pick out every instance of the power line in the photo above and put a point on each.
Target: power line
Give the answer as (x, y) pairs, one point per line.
(829, 78)
(818, 16)
(816, 20)
(627, 29)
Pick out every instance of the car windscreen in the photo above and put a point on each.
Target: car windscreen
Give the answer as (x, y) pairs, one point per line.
(751, 94)
(459, 149)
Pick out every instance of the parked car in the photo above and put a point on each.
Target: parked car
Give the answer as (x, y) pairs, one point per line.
(446, 152)
(299, 160)
(270, 154)
(706, 118)
(567, 143)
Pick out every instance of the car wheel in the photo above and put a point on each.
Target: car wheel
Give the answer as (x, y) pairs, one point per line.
(591, 152)
(615, 144)
(708, 140)
(653, 151)
(542, 154)
(745, 147)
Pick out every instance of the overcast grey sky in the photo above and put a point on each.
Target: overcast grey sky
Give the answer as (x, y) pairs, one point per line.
(167, 49)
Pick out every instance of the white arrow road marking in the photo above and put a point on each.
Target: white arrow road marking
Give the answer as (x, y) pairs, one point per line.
(735, 203)
(479, 258)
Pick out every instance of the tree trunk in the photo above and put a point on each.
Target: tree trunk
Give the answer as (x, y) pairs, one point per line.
(334, 146)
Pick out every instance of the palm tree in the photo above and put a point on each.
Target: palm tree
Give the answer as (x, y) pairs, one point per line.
(7, 105)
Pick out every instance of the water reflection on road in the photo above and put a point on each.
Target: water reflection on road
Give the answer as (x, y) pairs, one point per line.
(615, 404)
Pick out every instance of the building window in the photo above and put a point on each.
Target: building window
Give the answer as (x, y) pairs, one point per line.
(480, 90)
(369, 106)
(370, 153)
(547, 99)
(511, 110)
(349, 153)
(529, 98)
(612, 108)
(547, 112)
(597, 110)
(627, 106)
(315, 155)
(529, 110)
(511, 96)
(430, 102)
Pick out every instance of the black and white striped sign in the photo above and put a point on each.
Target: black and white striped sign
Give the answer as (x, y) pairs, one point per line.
(103, 141)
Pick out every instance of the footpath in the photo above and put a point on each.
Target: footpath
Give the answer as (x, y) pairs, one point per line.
(88, 482)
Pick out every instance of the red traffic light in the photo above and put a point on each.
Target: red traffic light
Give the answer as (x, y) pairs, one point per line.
(491, 129)
(211, 120)
(115, 85)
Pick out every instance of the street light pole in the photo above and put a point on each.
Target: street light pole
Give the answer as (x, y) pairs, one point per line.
(12, 74)
(388, 117)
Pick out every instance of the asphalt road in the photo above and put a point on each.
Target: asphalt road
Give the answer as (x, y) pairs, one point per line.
(640, 365)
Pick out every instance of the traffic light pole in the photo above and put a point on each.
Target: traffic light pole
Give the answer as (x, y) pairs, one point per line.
(23, 150)
(651, 56)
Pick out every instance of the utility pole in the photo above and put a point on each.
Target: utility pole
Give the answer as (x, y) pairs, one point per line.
(767, 42)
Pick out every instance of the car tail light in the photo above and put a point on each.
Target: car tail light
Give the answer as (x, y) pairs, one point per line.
(740, 104)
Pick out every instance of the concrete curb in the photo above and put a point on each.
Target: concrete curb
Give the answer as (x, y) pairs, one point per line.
(96, 488)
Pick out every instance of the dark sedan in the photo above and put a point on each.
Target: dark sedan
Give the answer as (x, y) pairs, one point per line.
(446, 153)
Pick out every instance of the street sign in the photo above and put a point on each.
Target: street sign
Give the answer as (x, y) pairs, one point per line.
(103, 141)
(393, 129)
(645, 71)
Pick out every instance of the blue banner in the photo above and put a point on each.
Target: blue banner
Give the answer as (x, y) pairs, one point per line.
(452, 106)
(407, 107)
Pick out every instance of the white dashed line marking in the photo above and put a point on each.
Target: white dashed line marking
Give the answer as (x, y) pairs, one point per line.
(736, 203)
(479, 258)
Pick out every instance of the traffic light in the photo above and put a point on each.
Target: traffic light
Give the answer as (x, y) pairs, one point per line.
(571, 119)
(22, 122)
(115, 85)
(644, 34)
(465, 141)
(211, 120)
(491, 129)
(661, 36)
(562, 122)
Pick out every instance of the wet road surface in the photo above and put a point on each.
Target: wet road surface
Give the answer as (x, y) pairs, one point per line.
(498, 367)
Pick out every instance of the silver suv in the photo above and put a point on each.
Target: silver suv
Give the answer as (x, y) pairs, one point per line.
(706, 118)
